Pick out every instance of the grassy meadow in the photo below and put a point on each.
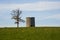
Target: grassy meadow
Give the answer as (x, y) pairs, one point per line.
(33, 33)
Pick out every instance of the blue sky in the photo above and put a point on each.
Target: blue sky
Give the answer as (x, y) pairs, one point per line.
(46, 12)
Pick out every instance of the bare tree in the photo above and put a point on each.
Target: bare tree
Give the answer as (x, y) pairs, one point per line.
(16, 16)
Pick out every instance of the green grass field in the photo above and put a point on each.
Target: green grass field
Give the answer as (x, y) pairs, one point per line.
(38, 33)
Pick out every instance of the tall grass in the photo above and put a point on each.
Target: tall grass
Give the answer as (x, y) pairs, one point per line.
(38, 33)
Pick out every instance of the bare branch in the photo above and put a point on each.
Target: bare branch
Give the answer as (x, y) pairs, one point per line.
(16, 16)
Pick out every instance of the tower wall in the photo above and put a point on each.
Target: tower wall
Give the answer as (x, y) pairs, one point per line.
(30, 21)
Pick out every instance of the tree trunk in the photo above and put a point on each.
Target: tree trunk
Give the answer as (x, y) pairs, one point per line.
(17, 24)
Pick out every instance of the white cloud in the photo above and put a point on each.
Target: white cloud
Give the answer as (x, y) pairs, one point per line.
(49, 25)
(37, 6)
(55, 16)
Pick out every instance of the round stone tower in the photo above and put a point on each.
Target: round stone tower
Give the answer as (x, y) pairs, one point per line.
(30, 21)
